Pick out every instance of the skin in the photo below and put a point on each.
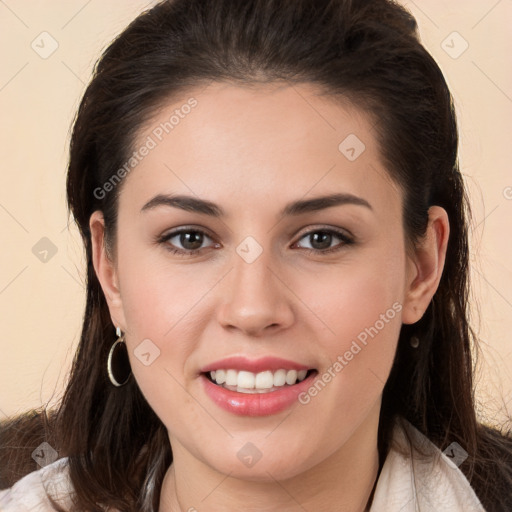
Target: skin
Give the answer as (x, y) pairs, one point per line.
(251, 151)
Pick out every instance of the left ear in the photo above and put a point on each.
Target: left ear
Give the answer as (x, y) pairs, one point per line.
(426, 265)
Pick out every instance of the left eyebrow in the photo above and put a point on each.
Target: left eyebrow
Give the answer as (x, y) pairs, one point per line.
(202, 206)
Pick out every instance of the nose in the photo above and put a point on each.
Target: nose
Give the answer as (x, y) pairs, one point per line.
(255, 298)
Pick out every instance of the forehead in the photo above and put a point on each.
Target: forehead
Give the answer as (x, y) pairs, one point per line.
(226, 141)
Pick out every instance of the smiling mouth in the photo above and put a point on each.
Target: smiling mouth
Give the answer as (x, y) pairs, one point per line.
(254, 383)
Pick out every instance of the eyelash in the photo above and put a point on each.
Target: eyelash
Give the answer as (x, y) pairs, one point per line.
(164, 239)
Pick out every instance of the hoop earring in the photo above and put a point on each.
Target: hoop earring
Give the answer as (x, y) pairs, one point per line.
(120, 361)
(415, 342)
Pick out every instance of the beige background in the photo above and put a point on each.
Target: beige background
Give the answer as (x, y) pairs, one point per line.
(41, 303)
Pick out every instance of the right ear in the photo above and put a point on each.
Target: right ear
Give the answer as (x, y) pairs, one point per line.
(106, 270)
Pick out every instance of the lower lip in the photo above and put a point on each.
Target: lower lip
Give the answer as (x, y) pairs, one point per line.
(257, 404)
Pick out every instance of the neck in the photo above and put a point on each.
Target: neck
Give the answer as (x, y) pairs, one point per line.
(343, 482)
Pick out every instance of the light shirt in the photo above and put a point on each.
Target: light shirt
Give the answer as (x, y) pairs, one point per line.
(405, 484)
(409, 484)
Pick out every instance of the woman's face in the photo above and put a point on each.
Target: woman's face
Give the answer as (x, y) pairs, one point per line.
(324, 286)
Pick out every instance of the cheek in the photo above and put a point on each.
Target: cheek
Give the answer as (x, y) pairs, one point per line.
(160, 313)
(157, 303)
(155, 294)
(360, 308)
(358, 297)
(164, 317)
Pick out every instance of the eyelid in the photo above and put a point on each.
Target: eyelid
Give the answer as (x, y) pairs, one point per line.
(337, 230)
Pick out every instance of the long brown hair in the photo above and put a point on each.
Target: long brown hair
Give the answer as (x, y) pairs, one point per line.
(365, 50)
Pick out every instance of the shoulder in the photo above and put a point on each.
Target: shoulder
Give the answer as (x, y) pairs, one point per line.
(32, 491)
(417, 475)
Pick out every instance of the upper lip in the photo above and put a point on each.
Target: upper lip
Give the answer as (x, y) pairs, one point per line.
(254, 365)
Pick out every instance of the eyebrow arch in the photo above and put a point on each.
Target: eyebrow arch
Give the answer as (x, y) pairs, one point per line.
(193, 204)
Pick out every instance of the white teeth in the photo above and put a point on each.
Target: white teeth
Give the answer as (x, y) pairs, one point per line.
(231, 377)
(280, 378)
(291, 377)
(301, 375)
(219, 376)
(244, 380)
(264, 380)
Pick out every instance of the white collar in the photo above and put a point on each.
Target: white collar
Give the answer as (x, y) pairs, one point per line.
(407, 483)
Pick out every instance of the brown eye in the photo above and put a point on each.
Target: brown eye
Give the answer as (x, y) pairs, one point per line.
(184, 241)
(190, 240)
(321, 239)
